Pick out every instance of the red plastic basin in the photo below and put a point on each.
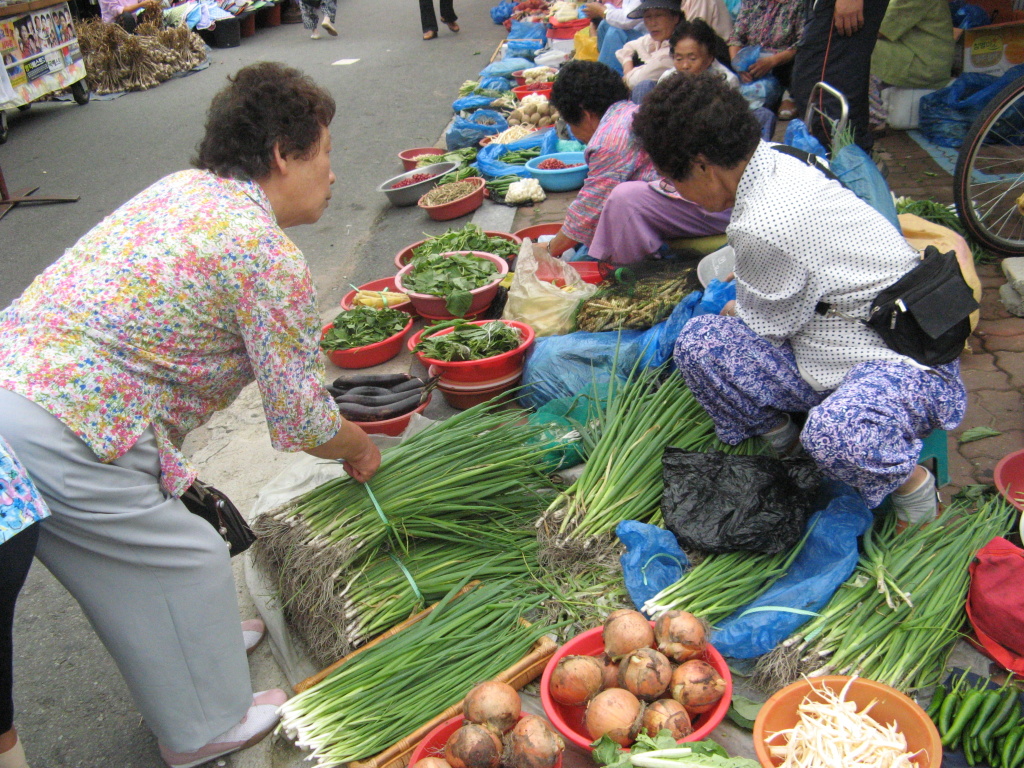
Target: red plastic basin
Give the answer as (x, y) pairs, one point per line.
(569, 720)
(566, 30)
(1008, 477)
(393, 427)
(433, 307)
(369, 355)
(525, 90)
(433, 743)
(404, 256)
(456, 208)
(592, 272)
(538, 230)
(407, 155)
(490, 369)
(383, 284)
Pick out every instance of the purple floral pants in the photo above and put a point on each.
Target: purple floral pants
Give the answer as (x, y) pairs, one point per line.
(867, 432)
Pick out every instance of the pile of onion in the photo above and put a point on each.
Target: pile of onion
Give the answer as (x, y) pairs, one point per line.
(636, 685)
(493, 704)
(532, 744)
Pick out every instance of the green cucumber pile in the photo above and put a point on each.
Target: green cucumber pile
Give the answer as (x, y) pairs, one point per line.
(987, 723)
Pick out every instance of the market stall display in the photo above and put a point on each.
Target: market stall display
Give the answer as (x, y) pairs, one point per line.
(407, 188)
(469, 237)
(365, 336)
(370, 399)
(377, 293)
(559, 172)
(456, 198)
(411, 157)
(454, 284)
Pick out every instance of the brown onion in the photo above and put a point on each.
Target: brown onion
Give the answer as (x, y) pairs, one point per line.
(615, 712)
(432, 762)
(611, 674)
(575, 680)
(697, 686)
(626, 631)
(532, 744)
(473, 746)
(667, 714)
(681, 636)
(645, 673)
(493, 704)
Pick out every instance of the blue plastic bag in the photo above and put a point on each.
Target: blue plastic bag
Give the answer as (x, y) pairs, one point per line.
(715, 297)
(745, 58)
(505, 67)
(764, 92)
(488, 159)
(966, 15)
(527, 30)
(502, 12)
(946, 115)
(524, 49)
(858, 173)
(471, 103)
(496, 83)
(799, 137)
(467, 131)
(652, 560)
(827, 559)
(658, 341)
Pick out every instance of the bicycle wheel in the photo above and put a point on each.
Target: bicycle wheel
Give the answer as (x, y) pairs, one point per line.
(988, 182)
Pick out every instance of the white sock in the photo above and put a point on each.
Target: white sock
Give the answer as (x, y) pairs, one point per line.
(784, 438)
(920, 504)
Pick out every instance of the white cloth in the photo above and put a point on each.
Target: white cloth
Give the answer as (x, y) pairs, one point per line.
(656, 58)
(714, 12)
(801, 239)
(716, 68)
(618, 17)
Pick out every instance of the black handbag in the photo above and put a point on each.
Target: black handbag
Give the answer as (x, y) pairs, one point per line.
(926, 314)
(216, 509)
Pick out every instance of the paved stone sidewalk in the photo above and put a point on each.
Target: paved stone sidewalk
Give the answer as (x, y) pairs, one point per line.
(994, 368)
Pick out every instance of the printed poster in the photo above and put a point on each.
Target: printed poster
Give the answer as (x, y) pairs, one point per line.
(40, 53)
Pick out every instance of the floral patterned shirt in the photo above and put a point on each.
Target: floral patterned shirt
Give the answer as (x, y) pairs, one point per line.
(162, 313)
(775, 25)
(20, 502)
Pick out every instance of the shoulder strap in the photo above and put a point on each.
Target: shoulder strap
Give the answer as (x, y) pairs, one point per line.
(807, 158)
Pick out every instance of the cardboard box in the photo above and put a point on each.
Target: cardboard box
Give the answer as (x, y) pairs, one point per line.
(995, 48)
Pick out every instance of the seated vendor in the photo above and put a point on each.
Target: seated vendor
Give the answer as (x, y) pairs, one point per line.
(615, 29)
(125, 13)
(649, 56)
(800, 239)
(594, 102)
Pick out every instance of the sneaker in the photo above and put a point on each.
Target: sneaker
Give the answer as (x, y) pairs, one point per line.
(326, 24)
(918, 507)
(257, 724)
(253, 632)
(316, 34)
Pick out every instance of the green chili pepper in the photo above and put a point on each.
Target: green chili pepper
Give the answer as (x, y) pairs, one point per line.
(1009, 745)
(948, 709)
(968, 751)
(1011, 722)
(989, 703)
(965, 714)
(1003, 714)
(1018, 753)
(936, 703)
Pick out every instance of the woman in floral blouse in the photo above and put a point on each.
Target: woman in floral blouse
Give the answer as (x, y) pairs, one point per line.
(155, 319)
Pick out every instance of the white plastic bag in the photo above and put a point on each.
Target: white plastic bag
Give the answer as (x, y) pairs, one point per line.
(545, 292)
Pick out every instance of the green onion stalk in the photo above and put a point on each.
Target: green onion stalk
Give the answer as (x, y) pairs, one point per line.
(721, 584)
(384, 693)
(622, 479)
(897, 617)
(460, 481)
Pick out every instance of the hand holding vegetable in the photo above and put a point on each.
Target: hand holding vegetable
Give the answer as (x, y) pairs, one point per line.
(359, 456)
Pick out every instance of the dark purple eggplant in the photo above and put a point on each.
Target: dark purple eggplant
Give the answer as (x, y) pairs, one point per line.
(355, 412)
(335, 391)
(388, 399)
(373, 391)
(370, 380)
(409, 386)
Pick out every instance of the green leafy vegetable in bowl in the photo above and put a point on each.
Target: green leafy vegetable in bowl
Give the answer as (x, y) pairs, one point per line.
(467, 341)
(360, 326)
(468, 238)
(452, 277)
(663, 752)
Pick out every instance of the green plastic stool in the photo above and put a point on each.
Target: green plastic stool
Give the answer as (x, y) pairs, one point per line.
(936, 447)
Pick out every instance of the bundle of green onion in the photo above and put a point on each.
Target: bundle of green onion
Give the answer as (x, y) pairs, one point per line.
(896, 618)
(456, 481)
(622, 479)
(721, 584)
(384, 693)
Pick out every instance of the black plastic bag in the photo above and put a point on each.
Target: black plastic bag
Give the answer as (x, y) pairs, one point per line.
(715, 502)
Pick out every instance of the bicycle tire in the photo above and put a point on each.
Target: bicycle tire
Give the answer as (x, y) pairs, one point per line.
(992, 212)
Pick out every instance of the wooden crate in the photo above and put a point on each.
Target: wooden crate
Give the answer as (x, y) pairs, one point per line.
(524, 671)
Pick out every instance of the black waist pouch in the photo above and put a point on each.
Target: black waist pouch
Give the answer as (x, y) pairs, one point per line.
(926, 313)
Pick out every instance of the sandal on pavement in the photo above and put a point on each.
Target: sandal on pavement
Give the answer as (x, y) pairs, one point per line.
(787, 110)
(326, 24)
(253, 632)
(257, 724)
(453, 26)
(432, 34)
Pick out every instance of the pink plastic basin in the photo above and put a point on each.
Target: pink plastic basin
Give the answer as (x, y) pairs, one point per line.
(369, 355)
(433, 307)
(569, 720)
(490, 369)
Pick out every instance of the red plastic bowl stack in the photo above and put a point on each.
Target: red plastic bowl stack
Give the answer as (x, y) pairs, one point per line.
(434, 307)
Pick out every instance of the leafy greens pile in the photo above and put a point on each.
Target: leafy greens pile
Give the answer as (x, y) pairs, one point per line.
(468, 238)
(451, 277)
(467, 341)
(360, 326)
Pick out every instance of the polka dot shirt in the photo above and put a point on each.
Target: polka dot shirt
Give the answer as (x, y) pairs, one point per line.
(801, 239)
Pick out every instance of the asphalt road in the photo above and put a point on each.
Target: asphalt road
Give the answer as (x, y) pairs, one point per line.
(73, 708)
